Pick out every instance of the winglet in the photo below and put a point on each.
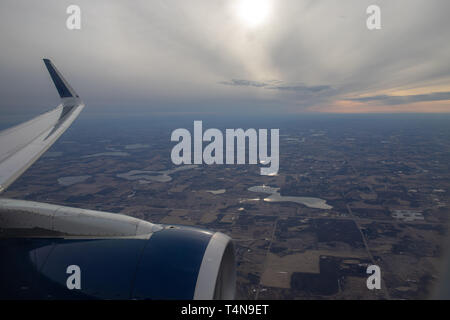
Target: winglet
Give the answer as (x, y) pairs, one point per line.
(63, 87)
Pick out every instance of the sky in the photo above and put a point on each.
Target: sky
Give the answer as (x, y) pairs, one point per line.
(229, 56)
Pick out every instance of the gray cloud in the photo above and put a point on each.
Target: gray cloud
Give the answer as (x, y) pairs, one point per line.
(395, 100)
(275, 85)
(301, 88)
(244, 83)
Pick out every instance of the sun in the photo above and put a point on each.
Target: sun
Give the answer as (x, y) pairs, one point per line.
(254, 12)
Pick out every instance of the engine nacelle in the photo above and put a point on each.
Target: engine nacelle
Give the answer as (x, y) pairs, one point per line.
(169, 262)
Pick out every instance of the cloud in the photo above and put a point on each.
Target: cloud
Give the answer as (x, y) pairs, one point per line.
(244, 83)
(160, 55)
(407, 99)
(275, 85)
(301, 88)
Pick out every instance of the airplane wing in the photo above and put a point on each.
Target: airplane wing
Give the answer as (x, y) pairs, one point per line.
(117, 256)
(23, 144)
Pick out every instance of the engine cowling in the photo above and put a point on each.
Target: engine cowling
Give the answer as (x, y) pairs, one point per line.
(171, 262)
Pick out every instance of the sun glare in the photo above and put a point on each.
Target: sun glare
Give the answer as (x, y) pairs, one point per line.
(254, 12)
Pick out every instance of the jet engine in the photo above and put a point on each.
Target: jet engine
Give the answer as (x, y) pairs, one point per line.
(55, 252)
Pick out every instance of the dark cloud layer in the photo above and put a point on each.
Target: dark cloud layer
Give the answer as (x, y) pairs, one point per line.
(244, 83)
(275, 85)
(394, 100)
